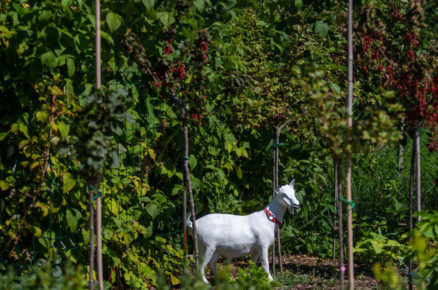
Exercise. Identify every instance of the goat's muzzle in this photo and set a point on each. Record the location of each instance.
(293, 208)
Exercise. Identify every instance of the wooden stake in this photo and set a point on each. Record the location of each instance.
(411, 198)
(338, 191)
(348, 155)
(276, 184)
(99, 234)
(91, 225)
(418, 163)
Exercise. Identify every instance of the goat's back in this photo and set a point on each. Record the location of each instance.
(236, 233)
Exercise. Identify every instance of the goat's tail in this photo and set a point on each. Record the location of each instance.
(189, 221)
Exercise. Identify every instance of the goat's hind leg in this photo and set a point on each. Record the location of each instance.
(213, 263)
(255, 257)
(209, 251)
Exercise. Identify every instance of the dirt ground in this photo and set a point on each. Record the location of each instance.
(321, 269)
(325, 268)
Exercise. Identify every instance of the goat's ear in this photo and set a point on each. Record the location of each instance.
(292, 183)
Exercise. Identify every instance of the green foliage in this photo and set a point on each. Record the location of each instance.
(96, 127)
(246, 65)
(250, 277)
(44, 276)
(423, 249)
(388, 276)
(378, 247)
(290, 280)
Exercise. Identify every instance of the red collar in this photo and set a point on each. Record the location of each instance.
(271, 217)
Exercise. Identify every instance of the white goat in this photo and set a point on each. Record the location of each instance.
(233, 236)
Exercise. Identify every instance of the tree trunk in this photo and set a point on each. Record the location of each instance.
(188, 183)
(411, 195)
(418, 161)
(91, 224)
(184, 222)
(348, 156)
(98, 178)
(338, 191)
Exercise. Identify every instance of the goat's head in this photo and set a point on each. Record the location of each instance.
(286, 197)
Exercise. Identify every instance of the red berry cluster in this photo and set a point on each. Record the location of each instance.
(404, 71)
(168, 49)
(197, 117)
(395, 14)
(204, 46)
(202, 43)
(367, 40)
(179, 71)
(412, 39)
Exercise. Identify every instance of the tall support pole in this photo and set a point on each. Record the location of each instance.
(411, 198)
(338, 186)
(418, 165)
(91, 253)
(273, 195)
(348, 155)
(188, 182)
(184, 222)
(99, 198)
(336, 197)
(277, 161)
(275, 183)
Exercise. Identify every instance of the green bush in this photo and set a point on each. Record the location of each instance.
(44, 276)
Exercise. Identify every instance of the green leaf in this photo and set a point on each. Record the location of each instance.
(335, 87)
(107, 37)
(114, 21)
(70, 67)
(152, 210)
(199, 4)
(321, 28)
(298, 4)
(149, 4)
(63, 129)
(73, 216)
(49, 59)
(41, 116)
(23, 129)
(152, 153)
(37, 232)
(68, 182)
(239, 173)
(192, 161)
(3, 185)
(166, 18)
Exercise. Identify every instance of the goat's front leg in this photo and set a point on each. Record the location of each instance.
(265, 261)
(209, 251)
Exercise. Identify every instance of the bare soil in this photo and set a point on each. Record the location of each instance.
(320, 269)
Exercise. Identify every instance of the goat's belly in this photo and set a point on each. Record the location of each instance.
(235, 252)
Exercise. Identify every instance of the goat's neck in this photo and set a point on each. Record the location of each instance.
(276, 209)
